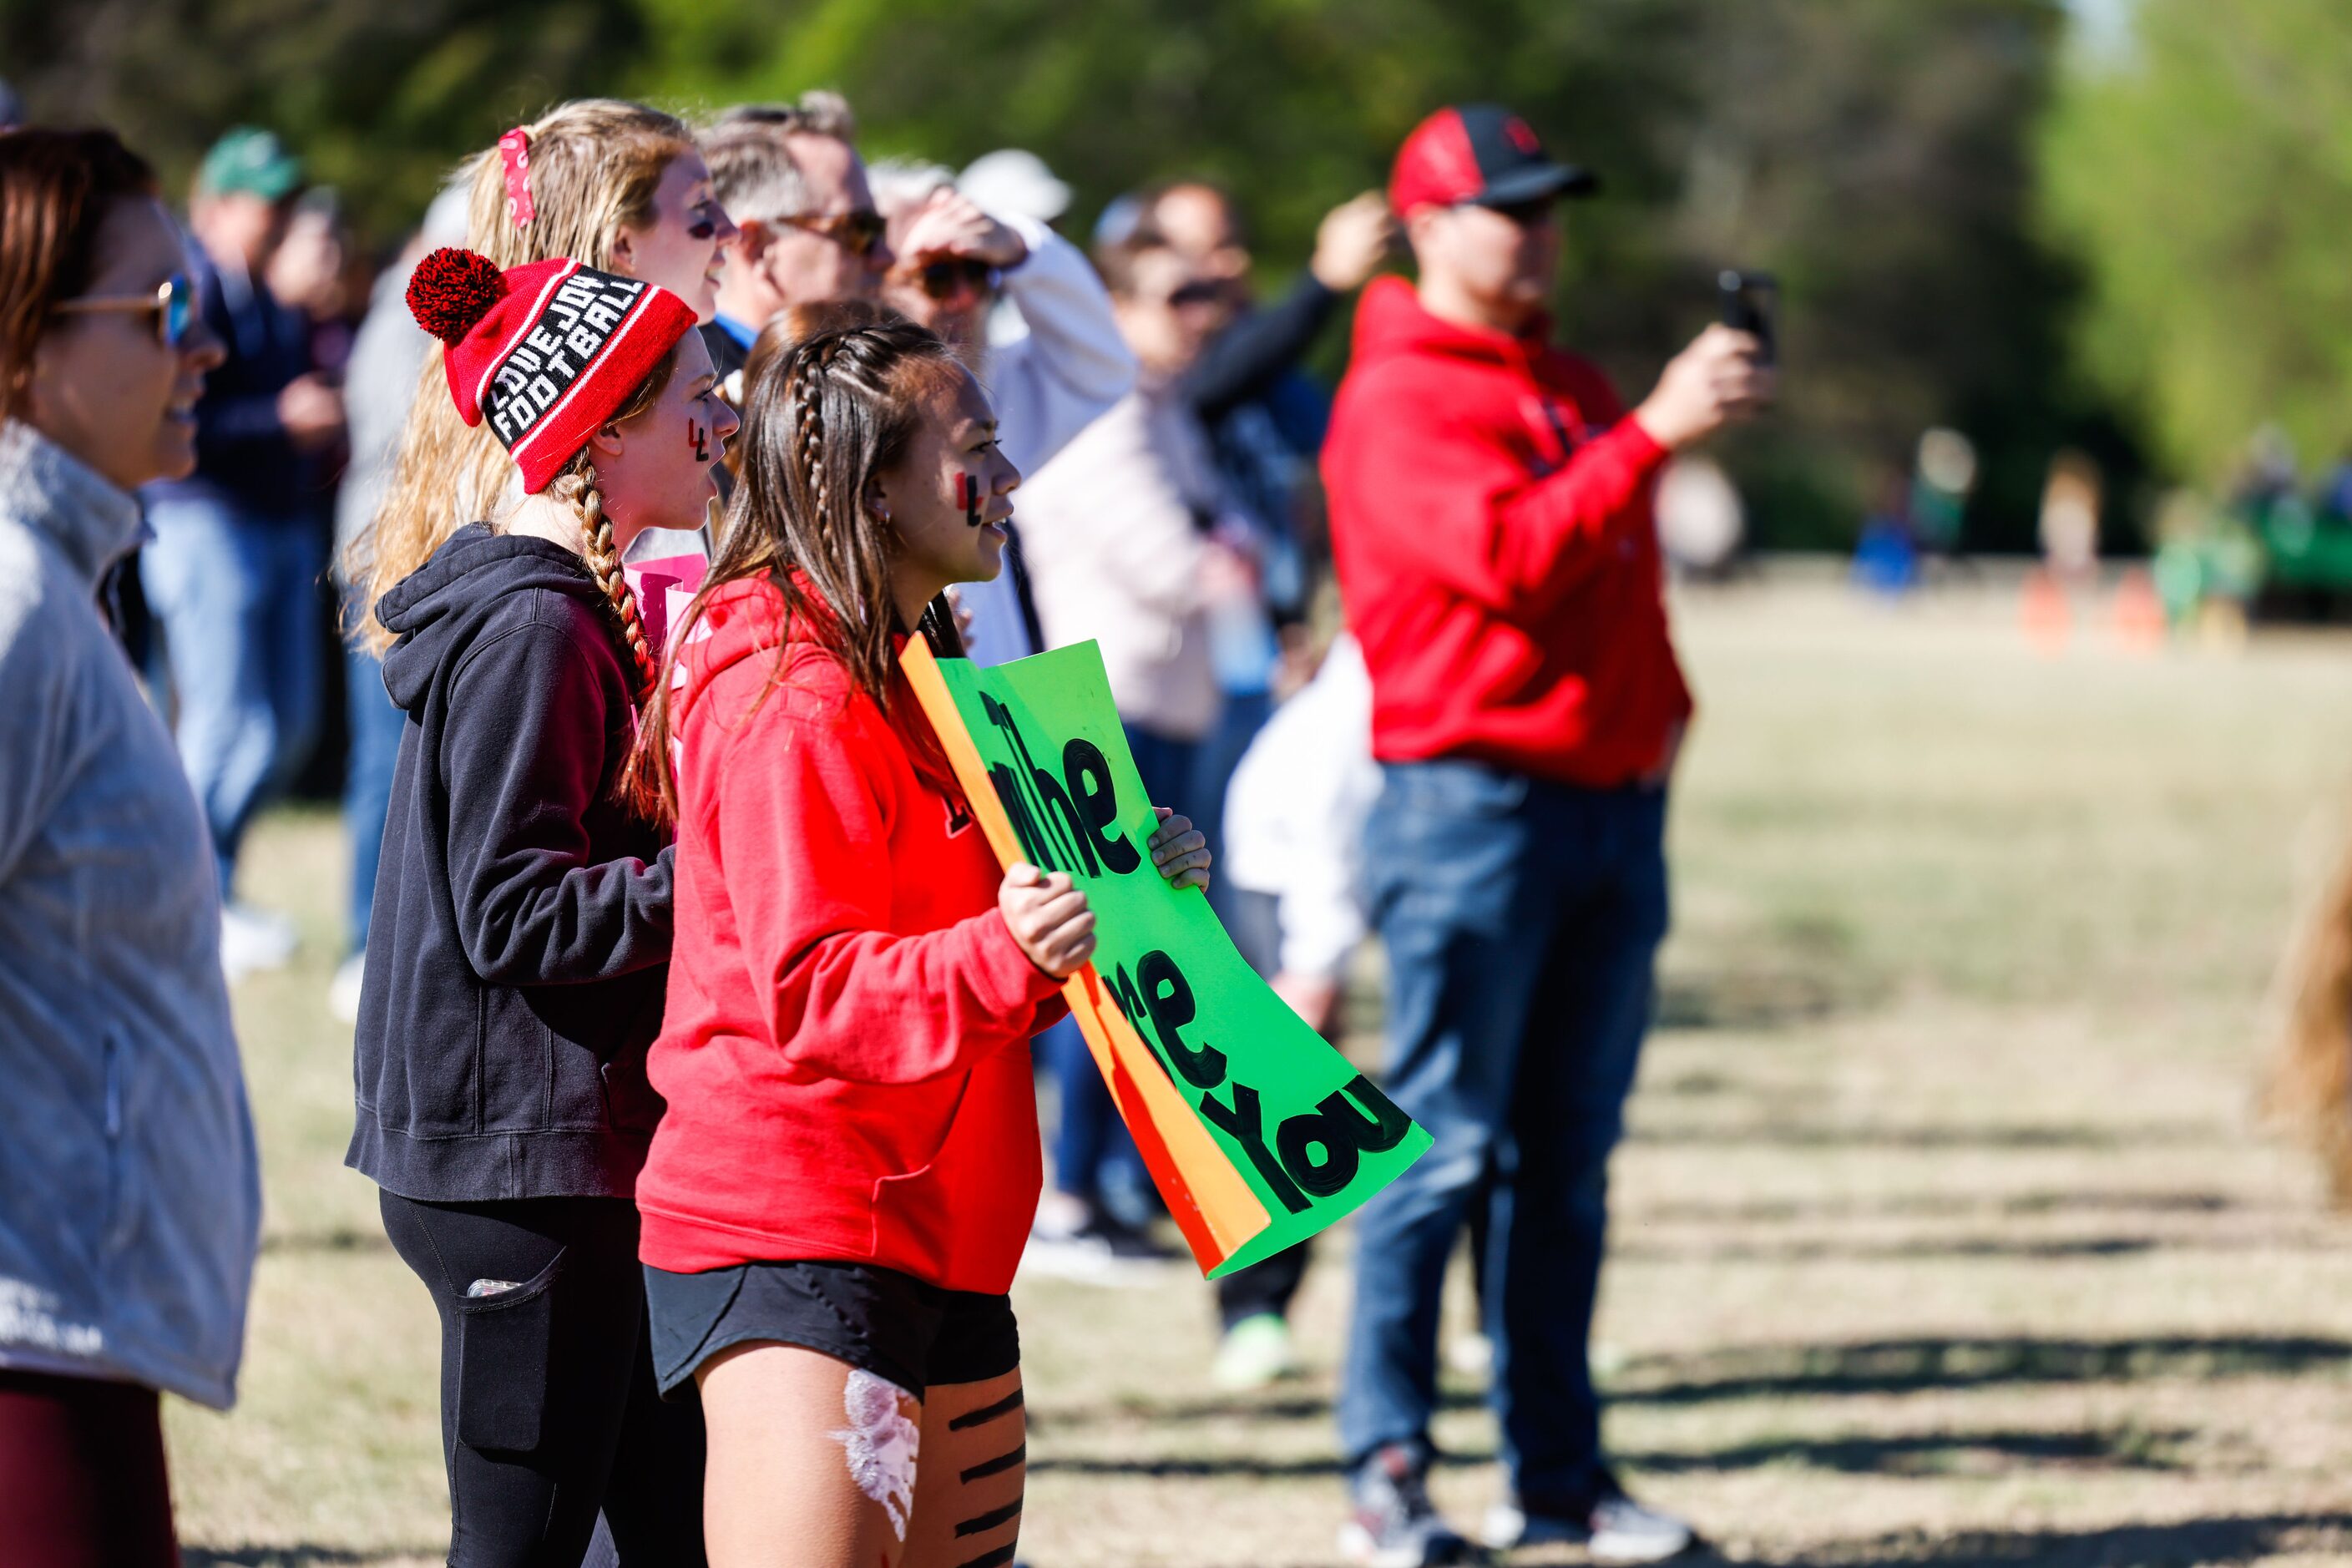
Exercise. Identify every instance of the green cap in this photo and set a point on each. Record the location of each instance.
(251, 160)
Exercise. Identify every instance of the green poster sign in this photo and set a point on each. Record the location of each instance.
(1313, 1137)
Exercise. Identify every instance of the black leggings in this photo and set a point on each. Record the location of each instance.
(548, 1405)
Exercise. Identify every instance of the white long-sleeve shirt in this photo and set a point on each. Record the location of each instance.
(1114, 555)
(1048, 384)
(1296, 811)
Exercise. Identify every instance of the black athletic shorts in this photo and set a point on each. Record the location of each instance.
(889, 1324)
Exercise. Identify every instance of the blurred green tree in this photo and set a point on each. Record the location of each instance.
(381, 99)
(2201, 166)
(1876, 154)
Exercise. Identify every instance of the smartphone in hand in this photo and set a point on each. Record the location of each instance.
(1748, 302)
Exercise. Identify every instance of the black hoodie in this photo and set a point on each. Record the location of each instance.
(520, 942)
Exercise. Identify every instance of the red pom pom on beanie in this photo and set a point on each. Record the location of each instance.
(451, 291)
(545, 352)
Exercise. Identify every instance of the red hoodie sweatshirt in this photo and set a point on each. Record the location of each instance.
(1491, 524)
(845, 1052)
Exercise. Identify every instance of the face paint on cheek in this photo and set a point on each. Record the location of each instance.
(699, 438)
(968, 497)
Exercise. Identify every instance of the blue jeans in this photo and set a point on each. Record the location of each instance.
(374, 721)
(1521, 921)
(1093, 1151)
(1239, 719)
(237, 596)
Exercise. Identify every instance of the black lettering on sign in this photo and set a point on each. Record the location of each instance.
(1089, 773)
(1058, 851)
(1130, 1002)
(1066, 823)
(1343, 1133)
(1016, 806)
(1059, 817)
(1316, 1151)
(1167, 997)
(1245, 1122)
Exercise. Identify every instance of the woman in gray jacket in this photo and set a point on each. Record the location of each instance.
(130, 1198)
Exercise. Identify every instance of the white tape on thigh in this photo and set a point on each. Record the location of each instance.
(881, 1440)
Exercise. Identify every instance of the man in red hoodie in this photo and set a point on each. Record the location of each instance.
(1491, 523)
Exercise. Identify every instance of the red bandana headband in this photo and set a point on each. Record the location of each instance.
(514, 152)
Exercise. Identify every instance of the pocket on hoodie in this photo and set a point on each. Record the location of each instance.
(519, 1063)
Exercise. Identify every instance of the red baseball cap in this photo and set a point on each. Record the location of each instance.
(547, 353)
(1478, 153)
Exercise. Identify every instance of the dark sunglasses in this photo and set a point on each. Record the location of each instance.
(173, 304)
(1526, 214)
(943, 279)
(857, 231)
(1200, 291)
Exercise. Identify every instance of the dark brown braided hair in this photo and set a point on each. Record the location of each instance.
(835, 405)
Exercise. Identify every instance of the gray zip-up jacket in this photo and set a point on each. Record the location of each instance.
(130, 1195)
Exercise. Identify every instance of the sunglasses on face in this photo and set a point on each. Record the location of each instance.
(945, 279)
(1526, 214)
(173, 306)
(857, 231)
(1200, 291)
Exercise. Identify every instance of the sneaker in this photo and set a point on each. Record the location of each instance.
(254, 939)
(1471, 1354)
(1097, 1250)
(343, 990)
(1256, 1353)
(1395, 1525)
(1616, 1528)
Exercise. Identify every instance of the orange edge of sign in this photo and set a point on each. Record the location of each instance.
(1212, 1204)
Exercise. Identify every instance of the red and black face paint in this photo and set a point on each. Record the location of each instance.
(699, 438)
(968, 497)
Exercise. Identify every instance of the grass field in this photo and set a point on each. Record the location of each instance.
(1945, 1232)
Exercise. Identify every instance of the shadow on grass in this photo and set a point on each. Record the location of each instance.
(1933, 1453)
(298, 1556)
(1755, 1002)
(2053, 1249)
(1924, 1205)
(2233, 1539)
(1915, 1454)
(1205, 1467)
(342, 1239)
(1872, 1135)
(2056, 1250)
(1804, 1372)
(1897, 1366)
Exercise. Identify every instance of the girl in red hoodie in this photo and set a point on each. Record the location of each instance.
(840, 1187)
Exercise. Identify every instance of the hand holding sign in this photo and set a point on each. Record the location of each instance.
(1180, 851)
(1258, 1133)
(1048, 918)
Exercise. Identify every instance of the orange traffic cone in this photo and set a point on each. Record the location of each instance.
(2048, 618)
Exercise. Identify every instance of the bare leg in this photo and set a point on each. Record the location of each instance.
(975, 1462)
(813, 1464)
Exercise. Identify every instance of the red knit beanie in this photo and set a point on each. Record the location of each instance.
(548, 351)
